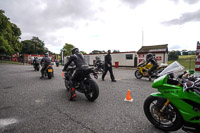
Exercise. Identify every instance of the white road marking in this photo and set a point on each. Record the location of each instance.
(6, 122)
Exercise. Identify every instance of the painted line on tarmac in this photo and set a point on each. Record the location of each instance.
(8, 121)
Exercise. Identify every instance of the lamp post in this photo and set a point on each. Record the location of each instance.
(62, 56)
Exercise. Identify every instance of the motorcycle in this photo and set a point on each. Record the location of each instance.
(36, 66)
(142, 70)
(49, 71)
(85, 84)
(57, 63)
(176, 105)
(99, 66)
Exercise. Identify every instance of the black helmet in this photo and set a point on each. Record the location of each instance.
(46, 54)
(75, 50)
(149, 55)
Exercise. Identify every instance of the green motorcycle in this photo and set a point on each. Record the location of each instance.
(176, 104)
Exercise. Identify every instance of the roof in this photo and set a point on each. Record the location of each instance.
(154, 49)
(111, 53)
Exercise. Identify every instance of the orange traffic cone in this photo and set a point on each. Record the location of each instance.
(128, 97)
(63, 74)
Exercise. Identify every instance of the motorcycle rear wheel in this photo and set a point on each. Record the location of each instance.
(92, 90)
(168, 120)
(50, 74)
(138, 74)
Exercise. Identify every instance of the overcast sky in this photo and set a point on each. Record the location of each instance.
(107, 24)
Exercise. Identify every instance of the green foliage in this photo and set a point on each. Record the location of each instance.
(172, 55)
(67, 49)
(116, 51)
(83, 52)
(9, 36)
(33, 46)
(188, 61)
(97, 51)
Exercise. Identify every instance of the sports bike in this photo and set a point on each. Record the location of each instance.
(176, 104)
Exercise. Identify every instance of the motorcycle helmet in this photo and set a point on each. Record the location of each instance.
(46, 54)
(75, 50)
(149, 55)
(97, 58)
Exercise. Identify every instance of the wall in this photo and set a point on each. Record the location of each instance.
(116, 57)
(160, 57)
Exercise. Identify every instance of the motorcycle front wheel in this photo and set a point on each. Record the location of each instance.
(92, 90)
(168, 120)
(138, 74)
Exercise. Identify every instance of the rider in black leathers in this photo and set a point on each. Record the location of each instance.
(151, 59)
(47, 61)
(81, 64)
(35, 61)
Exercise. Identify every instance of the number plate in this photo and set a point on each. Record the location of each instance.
(50, 70)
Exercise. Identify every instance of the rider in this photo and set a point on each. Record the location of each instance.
(98, 63)
(81, 64)
(35, 61)
(47, 61)
(150, 58)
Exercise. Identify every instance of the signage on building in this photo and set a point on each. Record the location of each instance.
(140, 57)
(158, 58)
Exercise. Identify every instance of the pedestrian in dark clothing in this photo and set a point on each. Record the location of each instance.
(108, 67)
(45, 61)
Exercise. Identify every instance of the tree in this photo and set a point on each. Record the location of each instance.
(83, 52)
(178, 52)
(67, 49)
(34, 46)
(116, 51)
(173, 55)
(9, 36)
(97, 52)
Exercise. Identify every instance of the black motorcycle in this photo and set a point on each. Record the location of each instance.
(85, 84)
(57, 63)
(99, 66)
(49, 72)
(36, 66)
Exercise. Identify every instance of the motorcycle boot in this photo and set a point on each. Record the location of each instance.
(42, 77)
(149, 77)
(73, 94)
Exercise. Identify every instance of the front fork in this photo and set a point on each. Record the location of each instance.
(165, 105)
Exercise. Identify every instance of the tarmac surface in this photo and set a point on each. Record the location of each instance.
(29, 104)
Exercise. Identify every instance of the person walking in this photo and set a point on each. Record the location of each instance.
(108, 67)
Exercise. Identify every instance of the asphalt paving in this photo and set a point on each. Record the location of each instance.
(29, 104)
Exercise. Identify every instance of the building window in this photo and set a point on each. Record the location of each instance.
(129, 56)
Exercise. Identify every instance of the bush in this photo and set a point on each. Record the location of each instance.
(172, 55)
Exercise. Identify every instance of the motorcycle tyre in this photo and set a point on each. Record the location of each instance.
(95, 90)
(176, 125)
(137, 71)
(67, 85)
(50, 75)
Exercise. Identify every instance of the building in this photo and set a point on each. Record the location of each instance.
(160, 52)
(119, 59)
(28, 58)
(132, 58)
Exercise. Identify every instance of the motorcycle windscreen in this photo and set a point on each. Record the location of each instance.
(173, 67)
